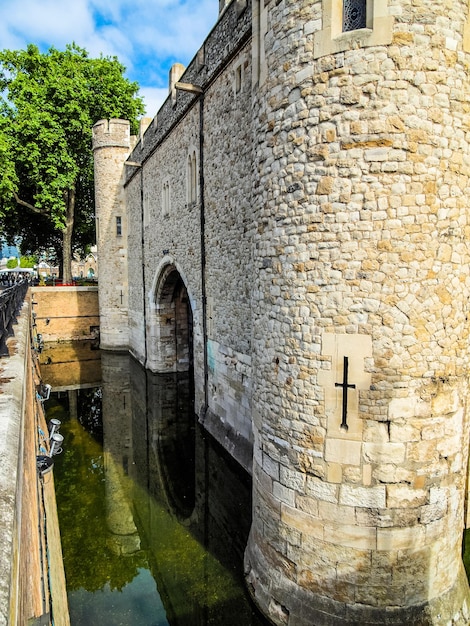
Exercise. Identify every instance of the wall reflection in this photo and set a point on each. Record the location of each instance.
(173, 504)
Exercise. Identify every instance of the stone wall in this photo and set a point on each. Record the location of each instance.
(31, 563)
(70, 365)
(325, 260)
(66, 313)
(111, 144)
(213, 232)
(362, 186)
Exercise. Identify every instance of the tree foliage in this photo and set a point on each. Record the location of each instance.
(48, 105)
(25, 261)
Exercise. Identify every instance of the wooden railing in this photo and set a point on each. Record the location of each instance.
(11, 300)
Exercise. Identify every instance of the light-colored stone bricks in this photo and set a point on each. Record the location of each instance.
(325, 261)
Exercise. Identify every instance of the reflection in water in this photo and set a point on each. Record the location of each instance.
(154, 515)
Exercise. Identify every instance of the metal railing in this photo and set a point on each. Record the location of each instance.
(11, 300)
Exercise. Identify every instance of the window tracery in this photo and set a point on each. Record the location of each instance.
(354, 15)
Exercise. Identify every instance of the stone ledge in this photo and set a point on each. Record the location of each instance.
(13, 370)
(238, 447)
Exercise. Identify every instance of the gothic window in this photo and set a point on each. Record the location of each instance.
(192, 178)
(354, 14)
(352, 24)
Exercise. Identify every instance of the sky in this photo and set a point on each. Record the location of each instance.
(147, 36)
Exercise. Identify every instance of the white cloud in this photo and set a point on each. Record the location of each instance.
(153, 97)
(47, 22)
(145, 36)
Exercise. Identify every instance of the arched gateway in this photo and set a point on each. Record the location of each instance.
(171, 324)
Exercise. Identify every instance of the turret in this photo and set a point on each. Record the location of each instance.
(111, 146)
(360, 323)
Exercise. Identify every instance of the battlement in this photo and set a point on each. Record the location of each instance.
(111, 134)
(231, 32)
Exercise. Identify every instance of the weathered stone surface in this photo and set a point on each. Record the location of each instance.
(335, 237)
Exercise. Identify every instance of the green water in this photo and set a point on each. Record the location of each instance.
(153, 515)
(466, 552)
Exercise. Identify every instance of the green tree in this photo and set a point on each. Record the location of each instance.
(48, 105)
(25, 261)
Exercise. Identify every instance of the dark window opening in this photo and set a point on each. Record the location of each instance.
(354, 14)
(118, 226)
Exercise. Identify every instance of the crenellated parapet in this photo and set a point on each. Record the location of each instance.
(112, 133)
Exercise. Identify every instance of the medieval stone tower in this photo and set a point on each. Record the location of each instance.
(111, 144)
(297, 216)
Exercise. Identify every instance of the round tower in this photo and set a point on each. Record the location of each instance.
(111, 146)
(360, 312)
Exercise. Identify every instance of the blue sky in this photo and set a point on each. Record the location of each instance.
(147, 36)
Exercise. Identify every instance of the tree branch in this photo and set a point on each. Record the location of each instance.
(26, 204)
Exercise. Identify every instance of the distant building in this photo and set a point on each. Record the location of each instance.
(45, 270)
(86, 267)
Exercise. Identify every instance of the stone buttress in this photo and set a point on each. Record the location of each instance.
(360, 313)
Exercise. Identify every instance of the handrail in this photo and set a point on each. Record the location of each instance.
(11, 300)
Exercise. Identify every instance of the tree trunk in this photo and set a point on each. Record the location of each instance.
(67, 236)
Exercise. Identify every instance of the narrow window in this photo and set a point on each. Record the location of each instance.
(146, 209)
(189, 177)
(354, 14)
(192, 178)
(238, 79)
(118, 225)
(166, 198)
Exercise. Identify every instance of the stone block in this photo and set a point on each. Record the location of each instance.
(302, 521)
(322, 490)
(422, 452)
(403, 496)
(283, 493)
(271, 467)
(352, 536)
(407, 408)
(328, 511)
(400, 538)
(291, 478)
(308, 505)
(384, 453)
(367, 497)
(334, 473)
(343, 452)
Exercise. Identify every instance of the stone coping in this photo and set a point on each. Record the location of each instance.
(12, 398)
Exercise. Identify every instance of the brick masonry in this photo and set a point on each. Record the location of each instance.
(32, 578)
(66, 313)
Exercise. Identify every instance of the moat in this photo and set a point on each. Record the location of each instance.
(154, 515)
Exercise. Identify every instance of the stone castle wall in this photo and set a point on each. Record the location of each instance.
(325, 258)
(362, 190)
(172, 235)
(112, 144)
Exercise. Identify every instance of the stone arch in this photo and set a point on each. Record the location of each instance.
(170, 339)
